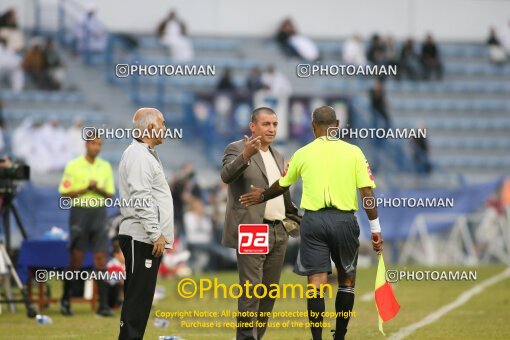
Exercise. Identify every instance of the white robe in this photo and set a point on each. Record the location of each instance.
(91, 35)
(353, 52)
(306, 48)
(10, 65)
(180, 46)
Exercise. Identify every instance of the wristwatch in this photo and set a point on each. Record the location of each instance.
(261, 197)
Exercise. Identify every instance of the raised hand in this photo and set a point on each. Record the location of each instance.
(251, 147)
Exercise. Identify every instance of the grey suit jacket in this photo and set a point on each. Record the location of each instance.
(239, 175)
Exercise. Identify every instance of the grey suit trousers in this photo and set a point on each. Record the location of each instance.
(260, 269)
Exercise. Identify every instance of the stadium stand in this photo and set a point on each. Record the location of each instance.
(466, 112)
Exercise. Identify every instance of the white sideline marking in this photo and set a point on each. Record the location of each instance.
(462, 299)
(369, 296)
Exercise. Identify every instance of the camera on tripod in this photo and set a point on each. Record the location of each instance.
(11, 172)
(16, 171)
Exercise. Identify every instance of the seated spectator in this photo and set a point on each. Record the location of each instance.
(277, 84)
(199, 235)
(206, 252)
(294, 44)
(283, 35)
(391, 52)
(2, 127)
(421, 158)
(10, 67)
(174, 261)
(254, 80)
(54, 65)
(10, 31)
(497, 54)
(8, 19)
(410, 64)
(35, 67)
(353, 51)
(226, 84)
(184, 187)
(172, 33)
(117, 265)
(376, 53)
(90, 34)
(379, 106)
(431, 59)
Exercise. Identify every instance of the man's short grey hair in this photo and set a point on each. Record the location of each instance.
(256, 113)
(324, 116)
(148, 118)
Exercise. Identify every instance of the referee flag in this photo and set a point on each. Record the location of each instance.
(387, 305)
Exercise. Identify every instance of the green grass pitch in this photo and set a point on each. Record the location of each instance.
(484, 316)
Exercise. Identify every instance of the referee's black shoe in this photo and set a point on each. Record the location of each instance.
(340, 336)
(65, 308)
(105, 311)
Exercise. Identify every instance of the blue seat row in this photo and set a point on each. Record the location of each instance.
(64, 116)
(457, 143)
(198, 43)
(460, 104)
(405, 86)
(42, 96)
(472, 50)
(453, 123)
(475, 161)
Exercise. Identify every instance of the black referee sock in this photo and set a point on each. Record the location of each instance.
(67, 290)
(316, 305)
(343, 304)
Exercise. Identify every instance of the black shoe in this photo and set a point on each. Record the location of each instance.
(105, 312)
(340, 337)
(65, 308)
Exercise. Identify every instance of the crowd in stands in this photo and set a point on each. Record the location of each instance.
(199, 216)
(38, 64)
(34, 64)
(88, 34)
(46, 145)
(270, 82)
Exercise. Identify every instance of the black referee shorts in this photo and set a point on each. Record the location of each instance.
(325, 234)
(89, 229)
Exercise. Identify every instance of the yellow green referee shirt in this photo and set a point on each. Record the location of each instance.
(331, 170)
(78, 174)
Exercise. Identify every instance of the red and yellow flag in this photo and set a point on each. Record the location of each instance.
(387, 305)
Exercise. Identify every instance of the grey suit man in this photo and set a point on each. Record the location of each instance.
(246, 163)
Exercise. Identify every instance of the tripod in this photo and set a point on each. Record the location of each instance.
(7, 208)
(7, 270)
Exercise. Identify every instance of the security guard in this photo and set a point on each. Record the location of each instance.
(331, 171)
(86, 182)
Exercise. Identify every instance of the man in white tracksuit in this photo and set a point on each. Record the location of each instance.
(145, 229)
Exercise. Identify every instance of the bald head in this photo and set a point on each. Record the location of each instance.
(146, 116)
(150, 123)
(324, 116)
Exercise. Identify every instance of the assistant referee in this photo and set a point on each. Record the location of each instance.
(331, 171)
